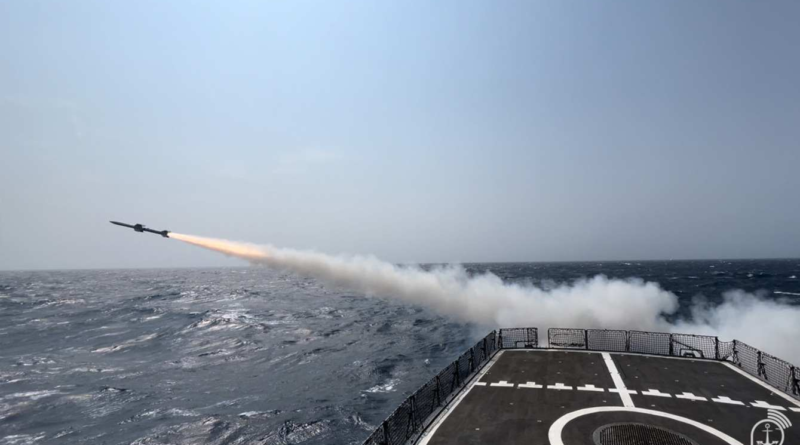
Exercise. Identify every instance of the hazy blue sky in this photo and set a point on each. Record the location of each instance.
(415, 131)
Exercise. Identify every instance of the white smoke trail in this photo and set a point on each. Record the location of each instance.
(485, 299)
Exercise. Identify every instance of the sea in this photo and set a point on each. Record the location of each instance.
(254, 355)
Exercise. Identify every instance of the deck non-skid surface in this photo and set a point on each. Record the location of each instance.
(524, 392)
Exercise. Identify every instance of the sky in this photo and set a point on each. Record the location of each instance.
(416, 131)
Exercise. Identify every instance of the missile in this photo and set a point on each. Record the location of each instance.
(140, 228)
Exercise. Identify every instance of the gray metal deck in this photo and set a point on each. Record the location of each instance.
(539, 396)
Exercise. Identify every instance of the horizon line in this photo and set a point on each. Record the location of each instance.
(414, 263)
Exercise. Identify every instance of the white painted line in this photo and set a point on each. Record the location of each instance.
(442, 417)
(797, 410)
(590, 388)
(655, 393)
(727, 400)
(690, 396)
(554, 434)
(529, 385)
(558, 386)
(764, 384)
(618, 383)
(480, 383)
(503, 384)
(763, 404)
(622, 391)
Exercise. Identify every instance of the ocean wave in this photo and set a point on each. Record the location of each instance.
(210, 356)
(21, 439)
(210, 430)
(32, 395)
(295, 433)
(233, 319)
(389, 386)
(260, 414)
(126, 344)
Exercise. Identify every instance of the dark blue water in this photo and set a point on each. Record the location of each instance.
(228, 356)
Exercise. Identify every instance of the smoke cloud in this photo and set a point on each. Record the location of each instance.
(485, 299)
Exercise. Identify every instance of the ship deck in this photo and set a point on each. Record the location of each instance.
(568, 397)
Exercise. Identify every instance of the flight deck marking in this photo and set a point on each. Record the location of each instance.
(620, 385)
(763, 404)
(554, 433)
(690, 396)
(650, 392)
(655, 393)
(763, 384)
(723, 399)
(622, 391)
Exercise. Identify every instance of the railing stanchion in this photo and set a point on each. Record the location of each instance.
(762, 369)
(386, 432)
(438, 392)
(412, 417)
(586, 338)
(716, 348)
(670, 345)
(471, 360)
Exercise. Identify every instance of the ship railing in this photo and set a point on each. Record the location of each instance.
(418, 411)
(778, 373)
(642, 342)
(407, 423)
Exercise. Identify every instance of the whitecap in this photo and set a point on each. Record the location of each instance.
(178, 412)
(126, 344)
(22, 439)
(389, 386)
(172, 412)
(264, 414)
(85, 369)
(33, 395)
